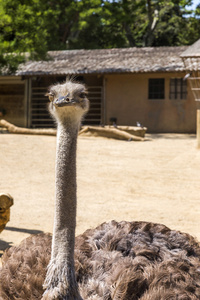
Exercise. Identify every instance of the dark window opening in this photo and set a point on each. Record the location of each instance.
(178, 88)
(156, 88)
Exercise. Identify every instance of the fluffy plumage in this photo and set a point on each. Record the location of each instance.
(119, 261)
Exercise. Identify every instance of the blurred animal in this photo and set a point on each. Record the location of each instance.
(6, 201)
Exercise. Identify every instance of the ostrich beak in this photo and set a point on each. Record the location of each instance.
(63, 101)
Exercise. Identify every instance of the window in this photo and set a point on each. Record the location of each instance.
(156, 88)
(178, 88)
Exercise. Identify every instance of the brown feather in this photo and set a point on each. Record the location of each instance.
(116, 260)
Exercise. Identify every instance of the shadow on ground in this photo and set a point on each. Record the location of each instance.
(170, 136)
(25, 230)
(4, 245)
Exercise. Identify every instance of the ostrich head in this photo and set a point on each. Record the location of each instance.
(68, 102)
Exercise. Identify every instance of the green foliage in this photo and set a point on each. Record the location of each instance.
(36, 26)
(172, 27)
(22, 30)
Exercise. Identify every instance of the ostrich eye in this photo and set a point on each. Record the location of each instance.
(51, 96)
(82, 95)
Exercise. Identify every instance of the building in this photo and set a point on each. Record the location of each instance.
(125, 86)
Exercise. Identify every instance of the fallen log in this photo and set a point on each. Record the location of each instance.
(107, 131)
(114, 133)
(134, 130)
(15, 129)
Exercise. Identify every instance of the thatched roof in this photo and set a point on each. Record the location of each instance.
(124, 60)
(192, 51)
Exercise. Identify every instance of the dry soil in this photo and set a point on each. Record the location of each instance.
(157, 180)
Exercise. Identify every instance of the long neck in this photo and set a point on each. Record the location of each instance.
(65, 206)
(60, 281)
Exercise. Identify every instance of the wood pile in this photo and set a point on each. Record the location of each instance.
(115, 132)
(129, 133)
(20, 130)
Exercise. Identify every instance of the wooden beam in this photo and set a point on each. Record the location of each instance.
(198, 128)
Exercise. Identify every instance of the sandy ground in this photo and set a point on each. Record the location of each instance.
(157, 180)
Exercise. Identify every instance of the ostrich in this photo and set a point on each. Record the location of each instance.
(116, 260)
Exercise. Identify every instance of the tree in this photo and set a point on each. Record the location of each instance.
(22, 31)
(129, 23)
(172, 25)
(35, 26)
(29, 28)
(193, 30)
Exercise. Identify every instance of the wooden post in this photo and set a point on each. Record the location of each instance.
(198, 128)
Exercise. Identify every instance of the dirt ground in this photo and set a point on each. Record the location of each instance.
(157, 180)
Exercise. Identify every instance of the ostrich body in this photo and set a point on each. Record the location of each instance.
(116, 260)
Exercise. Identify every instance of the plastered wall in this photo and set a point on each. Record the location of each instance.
(126, 98)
